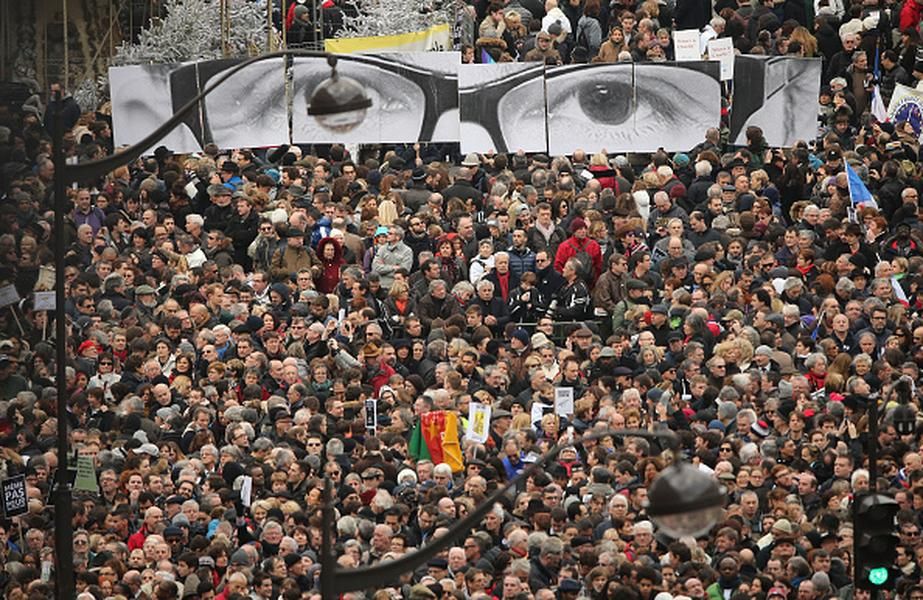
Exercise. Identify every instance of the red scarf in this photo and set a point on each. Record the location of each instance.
(504, 280)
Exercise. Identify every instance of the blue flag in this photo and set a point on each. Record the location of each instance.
(859, 194)
(486, 58)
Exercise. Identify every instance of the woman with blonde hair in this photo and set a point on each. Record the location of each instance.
(808, 42)
(724, 282)
(399, 304)
(387, 211)
(649, 356)
(521, 422)
(744, 353)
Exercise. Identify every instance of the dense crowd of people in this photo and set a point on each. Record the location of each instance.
(230, 312)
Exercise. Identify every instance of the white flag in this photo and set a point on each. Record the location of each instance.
(877, 108)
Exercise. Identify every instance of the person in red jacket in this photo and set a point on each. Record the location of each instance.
(331, 257)
(911, 13)
(152, 518)
(579, 245)
(377, 371)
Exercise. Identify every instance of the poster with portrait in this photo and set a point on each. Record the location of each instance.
(772, 93)
(502, 107)
(414, 98)
(141, 102)
(625, 107)
(246, 110)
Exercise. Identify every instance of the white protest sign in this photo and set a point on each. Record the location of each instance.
(44, 301)
(722, 50)
(8, 295)
(564, 401)
(538, 411)
(46, 277)
(246, 490)
(86, 475)
(478, 422)
(686, 45)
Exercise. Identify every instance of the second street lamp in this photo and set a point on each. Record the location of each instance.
(685, 500)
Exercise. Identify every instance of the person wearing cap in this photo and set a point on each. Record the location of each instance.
(582, 248)
(660, 324)
(417, 194)
(294, 257)
(393, 255)
(230, 175)
(220, 212)
(634, 296)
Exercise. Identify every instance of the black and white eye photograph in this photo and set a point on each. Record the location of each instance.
(414, 98)
(502, 107)
(771, 93)
(249, 109)
(141, 101)
(631, 108)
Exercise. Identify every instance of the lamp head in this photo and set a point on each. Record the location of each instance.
(684, 501)
(339, 103)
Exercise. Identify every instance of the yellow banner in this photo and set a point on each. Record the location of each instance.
(436, 38)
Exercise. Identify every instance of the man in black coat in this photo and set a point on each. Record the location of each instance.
(692, 14)
(242, 228)
(463, 188)
(63, 104)
(549, 280)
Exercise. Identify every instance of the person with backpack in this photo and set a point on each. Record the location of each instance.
(584, 250)
(588, 34)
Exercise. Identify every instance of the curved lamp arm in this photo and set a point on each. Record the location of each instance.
(350, 580)
(93, 169)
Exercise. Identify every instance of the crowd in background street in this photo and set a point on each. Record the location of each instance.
(229, 313)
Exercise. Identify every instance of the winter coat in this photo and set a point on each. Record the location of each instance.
(328, 274)
(388, 259)
(521, 261)
(911, 13)
(291, 260)
(572, 246)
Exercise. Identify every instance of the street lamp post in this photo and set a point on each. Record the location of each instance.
(338, 103)
(683, 501)
(62, 497)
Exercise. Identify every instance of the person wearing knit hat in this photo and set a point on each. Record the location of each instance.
(585, 249)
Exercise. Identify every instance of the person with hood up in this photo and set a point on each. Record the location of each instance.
(327, 276)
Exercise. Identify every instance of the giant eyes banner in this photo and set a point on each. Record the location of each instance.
(430, 97)
(777, 94)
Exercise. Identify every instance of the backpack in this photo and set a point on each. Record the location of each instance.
(581, 52)
(584, 262)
